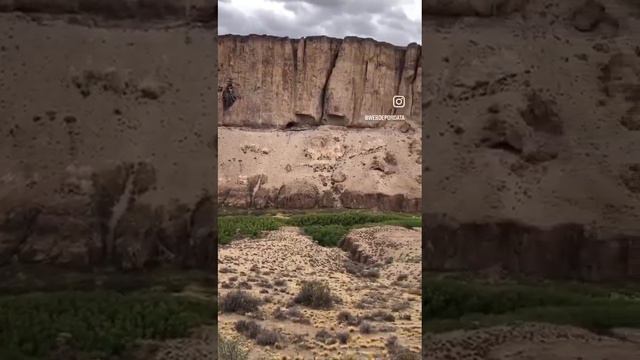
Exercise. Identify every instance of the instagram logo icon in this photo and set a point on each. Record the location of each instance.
(398, 101)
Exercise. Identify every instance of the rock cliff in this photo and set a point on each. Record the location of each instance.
(292, 129)
(272, 82)
(532, 110)
(107, 132)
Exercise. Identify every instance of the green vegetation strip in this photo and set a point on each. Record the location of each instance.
(457, 304)
(325, 228)
(103, 323)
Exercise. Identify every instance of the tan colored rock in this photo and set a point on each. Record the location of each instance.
(335, 160)
(267, 82)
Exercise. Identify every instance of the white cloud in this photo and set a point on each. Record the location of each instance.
(394, 21)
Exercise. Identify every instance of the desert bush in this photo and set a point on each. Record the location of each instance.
(279, 282)
(366, 328)
(371, 273)
(239, 302)
(399, 352)
(379, 315)
(343, 336)
(348, 318)
(231, 350)
(325, 337)
(400, 305)
(248, 328)
(315, 294)
(254, 331)
(268, 337)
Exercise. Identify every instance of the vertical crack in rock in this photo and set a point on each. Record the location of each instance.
(228, 95)
(356, 105)
(323, 96)
(294, 51)
(415, 76)
(403, 59)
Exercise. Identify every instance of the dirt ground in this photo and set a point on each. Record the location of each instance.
(262, 168)
(274, 266)
(532, 341)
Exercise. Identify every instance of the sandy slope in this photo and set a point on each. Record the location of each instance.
(273, 267)
(268, 168)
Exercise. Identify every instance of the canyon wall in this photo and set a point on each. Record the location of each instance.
(292, 130)
(271, 82)
(107, 129)
(532, 137)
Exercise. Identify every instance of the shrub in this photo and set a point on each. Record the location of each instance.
(239, 302)
(399, 352)
(230, 227)
(372, 273)
(343, 337)
(399, 306)
(255, 331)
(250, 328)
(325, 337)
(268, 337)
(366, 328)
(326, 235)
(231, 350)
(314, 294)
(380, 315)
(348, 318)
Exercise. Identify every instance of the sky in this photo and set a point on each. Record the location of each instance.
(394, 21)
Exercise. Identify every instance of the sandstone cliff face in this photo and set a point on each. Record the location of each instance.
(272, 82)
(107, 146)
(532, 110)
(321, 88)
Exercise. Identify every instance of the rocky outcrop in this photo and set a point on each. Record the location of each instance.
(532, 111)
(271, 82)
(106, 160)
(325, 167)
(293, 133)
